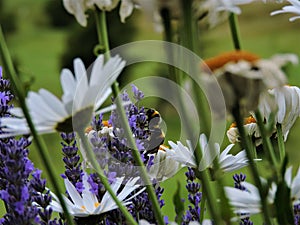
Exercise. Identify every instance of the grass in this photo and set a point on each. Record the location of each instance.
(37, 49)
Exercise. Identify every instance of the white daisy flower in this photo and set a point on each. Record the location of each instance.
(245, 202)
(231, 5)
(163, 166)
(81, 97)
(293, 184)
(286, 100)
(86, 204)
(78, 8)
(294, 8)
(228, 162)
(236, 70)
(127, 7)
(251, 129)
(207, 13)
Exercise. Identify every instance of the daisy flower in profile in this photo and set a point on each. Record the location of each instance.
(293, 184)
(228, 162)
(163, 166)
(286, 100)
(81, 97)
(250, 127)
(86, 204)
(78, 8)
(243, 76)
(246, 201)
(231, 5)
(294, 8)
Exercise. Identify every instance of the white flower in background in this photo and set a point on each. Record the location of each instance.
(245, 202)
(127, 7)
(78, 8)
(293, 184)
(106, 5)
(81, 97)
(286, 100)
(231, 5)
(86, 204)
(207, 13)
(294, 8)
(228, 162)
(163, 166)
(251, 129)
(243, 76)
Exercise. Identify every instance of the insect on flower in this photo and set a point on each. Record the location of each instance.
(156, 135)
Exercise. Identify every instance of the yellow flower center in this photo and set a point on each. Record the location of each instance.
(224, 58)
(105, 123)
(247, 120)
(162, 147)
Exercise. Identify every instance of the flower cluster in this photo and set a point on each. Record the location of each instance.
(17, 190)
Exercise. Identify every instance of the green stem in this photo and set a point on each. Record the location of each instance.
(266, 143)
(102, 31)
(202, 207)
(189, 36)
(41, 147)
(280, 142)
(234, 28)
(177, 76)
(92, 159)
(246, 143)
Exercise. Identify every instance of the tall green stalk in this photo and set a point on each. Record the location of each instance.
(247, 145)
(268, 145)
(103, 39)
(235, 33)
(281, 145)
(41, 147)
(189, 35)
(92, 159)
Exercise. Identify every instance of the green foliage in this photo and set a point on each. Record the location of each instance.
(8, 19)
(57, 15)
(178, 203)
(81, 41)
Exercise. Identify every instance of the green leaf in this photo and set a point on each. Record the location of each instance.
(178, 203)
(283, 200)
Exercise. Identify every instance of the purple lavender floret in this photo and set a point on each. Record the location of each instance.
(194, 197)
(26, 200)
(72, 160)
(116, 159)
(238, 179)
(15, 170)
(137, 94)
(297, 214)
(238, 183)
(5, 96)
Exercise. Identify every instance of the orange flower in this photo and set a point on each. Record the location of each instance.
(233, 56)
(243, 76)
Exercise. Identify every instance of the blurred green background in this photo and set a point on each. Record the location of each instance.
(43, 39)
